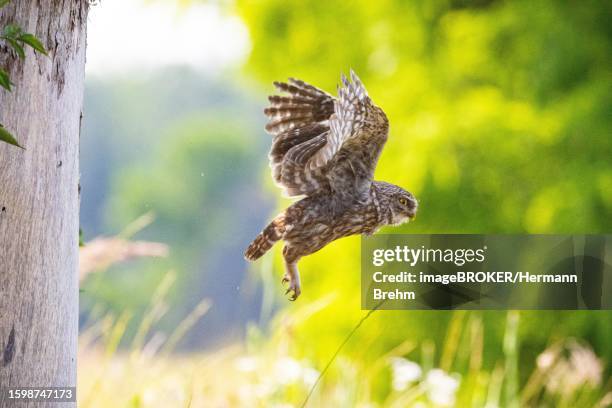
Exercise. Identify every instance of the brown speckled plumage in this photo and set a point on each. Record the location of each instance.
(326, 149)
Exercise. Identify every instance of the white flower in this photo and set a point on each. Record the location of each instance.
(287, 370)
(587, 367)
(404, 372)
(546, 359)
(573, 367)
(441, 387)
(310, 376)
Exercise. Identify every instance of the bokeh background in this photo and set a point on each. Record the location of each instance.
(501, 122)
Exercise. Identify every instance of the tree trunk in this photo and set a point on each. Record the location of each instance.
(39, 197)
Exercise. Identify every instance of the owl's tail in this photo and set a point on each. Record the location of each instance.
(266, 239)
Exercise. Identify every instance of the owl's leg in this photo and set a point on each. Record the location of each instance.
(292, 276)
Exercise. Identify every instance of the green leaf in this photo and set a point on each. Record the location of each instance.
(12, 31)
(5, 136)
(17, 47)
(5, 81)
(33, 42)
(4, 2)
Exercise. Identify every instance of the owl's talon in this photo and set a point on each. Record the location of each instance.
(294, 290)
(293, 297)
(294, 287)
(292, 277)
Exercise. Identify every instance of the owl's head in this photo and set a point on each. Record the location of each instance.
(399, 204)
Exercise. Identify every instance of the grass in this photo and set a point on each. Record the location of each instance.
(149, 373)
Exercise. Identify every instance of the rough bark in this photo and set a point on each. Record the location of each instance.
(39, 197)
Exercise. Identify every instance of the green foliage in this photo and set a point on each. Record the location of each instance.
(7, 137)
(11, 34)
(16, 38)
(479, 98)
(5, 81)
(187, 148)
(203, 153)
(500, 123)
(33, 42)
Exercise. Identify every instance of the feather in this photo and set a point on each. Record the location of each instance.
(310, 127)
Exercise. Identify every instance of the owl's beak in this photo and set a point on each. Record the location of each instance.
(412, 213)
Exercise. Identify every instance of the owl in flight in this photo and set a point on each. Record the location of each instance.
(326, 149)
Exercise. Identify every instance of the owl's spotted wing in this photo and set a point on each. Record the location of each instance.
(305, 105)
(322, 143)
(347, 120)
(299, 124)
(358, 132)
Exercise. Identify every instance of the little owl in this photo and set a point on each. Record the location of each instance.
(326, 149)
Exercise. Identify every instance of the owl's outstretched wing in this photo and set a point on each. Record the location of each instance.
(322, 143)
(347, 120)
(299, 124)
(358, 132)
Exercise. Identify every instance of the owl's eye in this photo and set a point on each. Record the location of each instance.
(403, 201)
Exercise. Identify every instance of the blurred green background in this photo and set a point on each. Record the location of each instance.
(501, 122)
